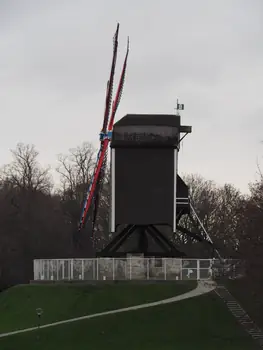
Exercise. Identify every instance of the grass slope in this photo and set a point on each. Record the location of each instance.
(249, 294)
(59, 302)
(201, 323)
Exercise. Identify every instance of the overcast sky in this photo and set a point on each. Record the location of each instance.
(55, 59)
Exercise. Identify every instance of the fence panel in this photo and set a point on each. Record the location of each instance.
(89, 269)
(120, 269)
(130, 268)
(105, 269)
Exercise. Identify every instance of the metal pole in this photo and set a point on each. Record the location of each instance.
(82, 269)
(57, 269)
(71, 269)
(130, 268)
(97, 269)
(113, 269)
(148, 268)
(181, 272)
(198, 269)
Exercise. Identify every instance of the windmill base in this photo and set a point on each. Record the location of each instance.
(141, 235)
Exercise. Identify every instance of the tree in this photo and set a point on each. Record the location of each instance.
(220, 208)
(75, 170)
(26, 180)
(202, 194)
(24, 172)
(251, 238)
(229, 213)
(31, 218)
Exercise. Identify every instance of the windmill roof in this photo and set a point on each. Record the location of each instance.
(150, 119)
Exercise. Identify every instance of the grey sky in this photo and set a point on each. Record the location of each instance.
(55, 59)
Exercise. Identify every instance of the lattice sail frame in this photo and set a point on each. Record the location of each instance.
(94, 189)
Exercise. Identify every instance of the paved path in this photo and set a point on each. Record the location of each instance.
(202, 288)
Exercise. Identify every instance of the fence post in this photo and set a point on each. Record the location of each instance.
(57, 269)
(113, 269)
(164, 260)
(82, 269)
(38, 269)
(130, 268)
(52, 269)
(147, 269)
(63, 269)
(93, 268)
(41, 269)
(71, 269)
(97, 272)
(35, 269)
(198, 269)
(48, 269)
(181, 270)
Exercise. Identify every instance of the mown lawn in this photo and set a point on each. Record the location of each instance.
(249, 295)
(200, 323)
(59, 302)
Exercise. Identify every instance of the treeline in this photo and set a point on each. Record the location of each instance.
(39, 220)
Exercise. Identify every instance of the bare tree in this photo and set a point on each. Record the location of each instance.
(203, 197)
(256, 190)
(24, 172)
(24, 186)
(220, 208)
(75, 170)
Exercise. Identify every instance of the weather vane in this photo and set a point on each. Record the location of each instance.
(179, 107)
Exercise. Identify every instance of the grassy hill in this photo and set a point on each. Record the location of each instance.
(201, 323)
(63, 301)
(249, 294)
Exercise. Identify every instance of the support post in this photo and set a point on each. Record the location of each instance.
(181, 270)
(94, 268)
(148, 269)
(36, 269)
(71, 269)
(130, 267)
(97, 272)
(82, 269)
(175, 186)
(198, 269)
(112, 229)
(113, 269)
(57, 261)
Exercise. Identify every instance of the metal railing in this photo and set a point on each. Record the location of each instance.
(130, 268)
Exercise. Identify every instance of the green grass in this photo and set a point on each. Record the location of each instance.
(59, 302)
(249, 295)
(201, 323)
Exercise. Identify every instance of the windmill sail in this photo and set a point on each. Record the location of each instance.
(95, 188)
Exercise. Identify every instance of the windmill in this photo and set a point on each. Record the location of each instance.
(92, 196)
(142, 146)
